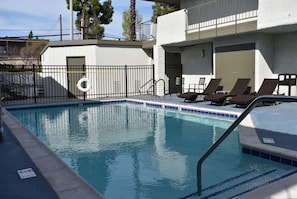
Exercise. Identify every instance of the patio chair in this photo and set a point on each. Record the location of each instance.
(200, 86)
(211, 88)
(220, 99)
(267, 88)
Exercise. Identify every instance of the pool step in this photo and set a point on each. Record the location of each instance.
(240, 184)
(235, 186)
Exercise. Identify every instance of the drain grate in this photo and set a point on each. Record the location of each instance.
(26, 173)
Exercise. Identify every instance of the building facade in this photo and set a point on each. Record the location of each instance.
(110, 66)
(227, 39)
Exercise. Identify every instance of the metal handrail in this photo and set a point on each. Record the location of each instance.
(146, 83)
(250, 107)
(155, 83)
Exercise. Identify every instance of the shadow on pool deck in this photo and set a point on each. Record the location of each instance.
(12, 159)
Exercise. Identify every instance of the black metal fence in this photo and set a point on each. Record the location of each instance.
(35, 84)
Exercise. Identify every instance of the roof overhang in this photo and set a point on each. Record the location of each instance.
(172, 2)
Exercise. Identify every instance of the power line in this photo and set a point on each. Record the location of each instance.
(67, 34)
(47, 35)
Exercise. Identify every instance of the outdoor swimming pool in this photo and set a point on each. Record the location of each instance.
(132, 151)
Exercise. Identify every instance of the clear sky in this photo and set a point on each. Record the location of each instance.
(18, 17)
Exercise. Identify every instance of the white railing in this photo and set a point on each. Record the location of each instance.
(147, 31)
(220, 12)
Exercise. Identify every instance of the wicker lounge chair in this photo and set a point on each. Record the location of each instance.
(211, 88)
(220, 99)
(267, 88)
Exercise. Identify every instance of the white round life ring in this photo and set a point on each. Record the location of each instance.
(88, 84)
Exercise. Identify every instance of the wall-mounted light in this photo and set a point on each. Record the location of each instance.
(202, 53)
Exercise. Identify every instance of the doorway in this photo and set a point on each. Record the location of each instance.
(173, 70)
(233, 62)
(75, 71)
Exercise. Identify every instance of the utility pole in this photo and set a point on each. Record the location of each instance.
(71, 19)
(84, 18)
(132, 20)
(61, 33)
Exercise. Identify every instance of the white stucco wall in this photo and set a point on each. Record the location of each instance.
(285, 59)
(57, 55)
(172, 27)
(108, 55)
(264, 59)
(159, 59)
(195, 65)
(97, 55)
(276, 13)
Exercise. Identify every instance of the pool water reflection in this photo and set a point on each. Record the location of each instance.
(132, 151)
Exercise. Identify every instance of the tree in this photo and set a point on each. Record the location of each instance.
(91, 15)
(126, 24)
(31, 52)
(132, 20)
(30, 36)
(160, 9)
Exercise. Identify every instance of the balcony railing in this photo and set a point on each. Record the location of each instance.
(147, 31)
(220, 12)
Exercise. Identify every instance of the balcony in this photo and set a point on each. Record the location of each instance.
(222, 17)
(207, 20)
(211, 19)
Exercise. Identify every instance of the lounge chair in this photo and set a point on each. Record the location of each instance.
(220, 99)
(211, 88)
(267, 88)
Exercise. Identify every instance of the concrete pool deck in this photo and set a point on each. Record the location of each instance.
(49, 168)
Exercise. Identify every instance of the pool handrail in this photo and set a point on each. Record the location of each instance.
(249, 108)
(154, 84)
(146, 83)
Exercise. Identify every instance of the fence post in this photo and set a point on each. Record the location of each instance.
(34, 85)
(154, 89)
(84, 75)
(126, 80)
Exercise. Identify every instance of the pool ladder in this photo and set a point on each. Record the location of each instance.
(154, 83)
(250, 107)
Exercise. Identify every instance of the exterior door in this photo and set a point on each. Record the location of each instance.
(75, 71)
(233, 62)
(173, 70)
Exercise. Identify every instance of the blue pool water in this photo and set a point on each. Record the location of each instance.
(133, 151)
